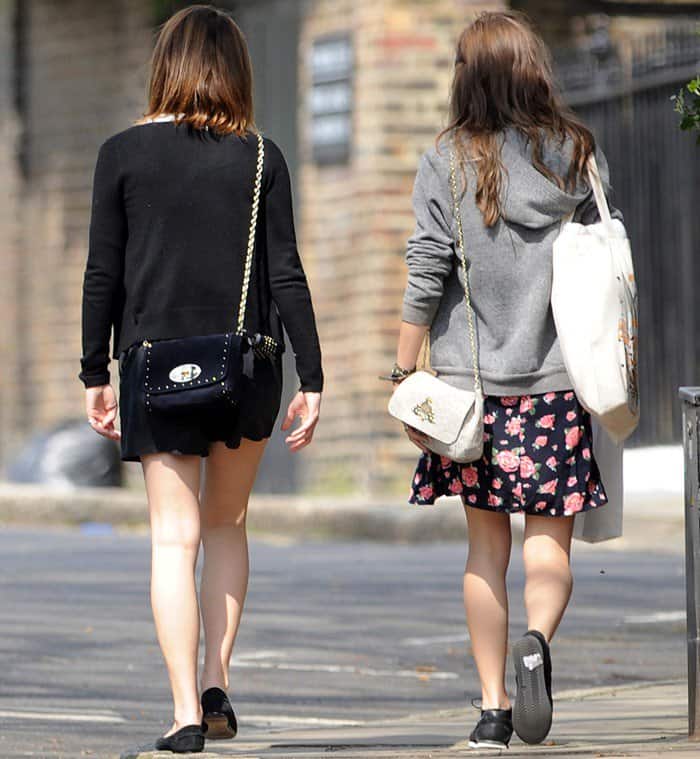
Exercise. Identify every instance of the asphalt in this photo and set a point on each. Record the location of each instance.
(350, 647)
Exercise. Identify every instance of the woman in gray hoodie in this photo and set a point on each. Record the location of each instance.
(521, 155)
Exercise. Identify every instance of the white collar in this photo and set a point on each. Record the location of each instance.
(162, 117)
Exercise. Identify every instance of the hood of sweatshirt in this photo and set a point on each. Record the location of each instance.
(530, 198)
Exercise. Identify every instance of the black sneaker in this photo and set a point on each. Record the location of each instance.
(219, 720)
(493, 730)
(532, 712)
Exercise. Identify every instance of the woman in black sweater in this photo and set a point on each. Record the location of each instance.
(169, 229)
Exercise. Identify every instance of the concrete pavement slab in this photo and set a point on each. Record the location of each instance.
(644, 720)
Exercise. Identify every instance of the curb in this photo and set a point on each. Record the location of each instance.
(652, 522)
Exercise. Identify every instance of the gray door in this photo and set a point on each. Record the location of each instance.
(272, 30)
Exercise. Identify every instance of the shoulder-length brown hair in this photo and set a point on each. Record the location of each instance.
(503, 78)
(201, 72)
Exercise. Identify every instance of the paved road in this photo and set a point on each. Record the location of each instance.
(334, 632)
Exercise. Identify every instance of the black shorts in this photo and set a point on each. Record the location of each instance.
(145, 432)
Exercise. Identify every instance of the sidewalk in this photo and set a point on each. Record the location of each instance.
(645, 720)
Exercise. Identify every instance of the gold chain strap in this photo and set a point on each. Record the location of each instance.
(463, 260)
(251, 236)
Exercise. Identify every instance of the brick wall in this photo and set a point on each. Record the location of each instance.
(10, 375)
(356, 219)
(83, 78)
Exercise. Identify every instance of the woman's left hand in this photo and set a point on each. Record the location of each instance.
(306, 406)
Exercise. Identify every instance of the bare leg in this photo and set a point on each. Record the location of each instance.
(172, 485)
(229, 478)
(548, 580)
(486, 600)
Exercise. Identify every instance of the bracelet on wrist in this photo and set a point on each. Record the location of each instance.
(398, 373)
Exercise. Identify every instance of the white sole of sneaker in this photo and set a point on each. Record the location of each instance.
(488, 744)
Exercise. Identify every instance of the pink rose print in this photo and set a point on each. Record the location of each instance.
(571, 482)
(573, 503)
(568, 396)
(570, 461)
(496, 483)
(507, 460)
(540, 505)
(540, 441)
(470, 476)
(456, 486)
(511, 477)
(513, 425)
(527, 467)
(489, 418)
(416, 479)
(570, 416)
(586, 453)
(587, 477)
(555, 447)
(471, 498)
(549, 487)
(518, 491)
(546, 422)
(573, 437)
(509, 400)
(509, 411)
(552, 462)
(494, 500)
(549, 397)
(526, 404)
(426, 491)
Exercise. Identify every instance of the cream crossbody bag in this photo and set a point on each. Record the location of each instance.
(451, 418)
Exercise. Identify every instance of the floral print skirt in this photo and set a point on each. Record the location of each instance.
(537, 459)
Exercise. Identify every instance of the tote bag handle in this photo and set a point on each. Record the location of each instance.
(598, 191)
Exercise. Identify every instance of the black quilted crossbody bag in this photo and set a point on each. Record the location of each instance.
(205, 372)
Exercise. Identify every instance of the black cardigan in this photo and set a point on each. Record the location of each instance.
(168, 235)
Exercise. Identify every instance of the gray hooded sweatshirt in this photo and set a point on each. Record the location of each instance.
(510, 269)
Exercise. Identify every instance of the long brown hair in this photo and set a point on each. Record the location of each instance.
(201, 72)
(503, 78)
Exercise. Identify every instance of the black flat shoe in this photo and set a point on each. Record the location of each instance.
(493, 730)
(219, 721)
(532, 712)
(188, 739)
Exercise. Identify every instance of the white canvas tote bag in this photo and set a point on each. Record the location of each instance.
(594, 302)
(605, 522)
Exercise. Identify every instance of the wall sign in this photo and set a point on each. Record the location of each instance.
(330, 101)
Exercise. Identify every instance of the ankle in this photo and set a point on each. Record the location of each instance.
(500, 701)
(214, 681)
(187, 717)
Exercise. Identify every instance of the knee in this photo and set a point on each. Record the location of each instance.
(546, 558)
(218, 518)
(173, 532)
(490, 550)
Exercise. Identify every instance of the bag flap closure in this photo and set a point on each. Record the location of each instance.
(174, 365)
(432, 406)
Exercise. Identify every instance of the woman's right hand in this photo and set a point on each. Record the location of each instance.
(417, 438)
(101, 407)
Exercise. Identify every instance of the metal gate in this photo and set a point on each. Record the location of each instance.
(624, 94)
